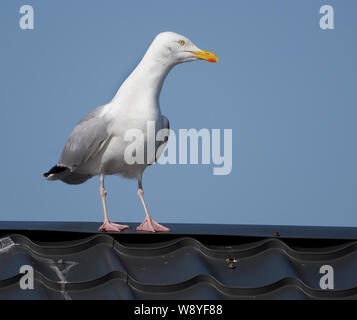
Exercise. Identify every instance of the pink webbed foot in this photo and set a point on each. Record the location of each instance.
(151, 225)
(108, 226)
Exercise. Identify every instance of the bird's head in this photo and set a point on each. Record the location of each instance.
(174, 48)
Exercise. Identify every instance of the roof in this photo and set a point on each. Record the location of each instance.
(72, 261)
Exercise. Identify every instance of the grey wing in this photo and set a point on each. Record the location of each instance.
(86, 140)
(162, 144)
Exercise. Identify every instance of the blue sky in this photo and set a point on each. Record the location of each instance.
(285, 87)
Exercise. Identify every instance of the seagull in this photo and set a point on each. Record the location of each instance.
(97, 145)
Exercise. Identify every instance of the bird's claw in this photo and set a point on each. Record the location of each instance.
(150, 225)
(112, 227)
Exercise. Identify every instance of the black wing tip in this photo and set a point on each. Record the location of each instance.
(55, 170)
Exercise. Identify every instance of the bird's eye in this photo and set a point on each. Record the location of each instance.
(182, 42)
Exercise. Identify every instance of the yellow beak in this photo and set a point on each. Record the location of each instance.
(205, 55)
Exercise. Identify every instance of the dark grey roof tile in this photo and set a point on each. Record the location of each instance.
(105, 266)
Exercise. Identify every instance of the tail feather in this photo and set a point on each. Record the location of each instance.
(64, 174)
(54, 171)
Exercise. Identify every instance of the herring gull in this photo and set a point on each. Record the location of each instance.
(97, 145)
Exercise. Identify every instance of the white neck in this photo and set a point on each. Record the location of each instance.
(147, 78)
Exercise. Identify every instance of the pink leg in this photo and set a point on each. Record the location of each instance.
(108, 226)
(149, 224)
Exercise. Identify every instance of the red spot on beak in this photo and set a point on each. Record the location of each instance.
(211, 60)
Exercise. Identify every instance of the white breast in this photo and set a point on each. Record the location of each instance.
(125, 118)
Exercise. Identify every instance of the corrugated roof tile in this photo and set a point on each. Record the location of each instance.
(104, 266)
